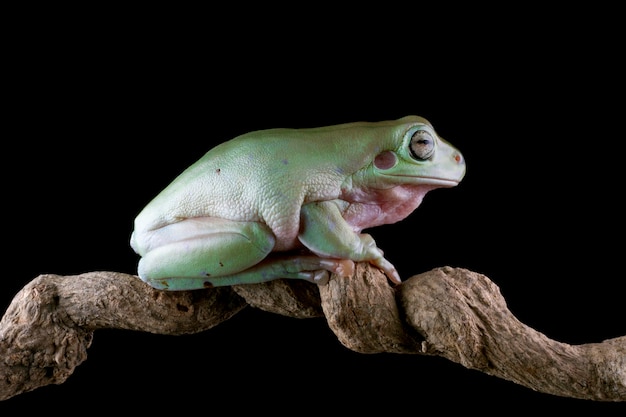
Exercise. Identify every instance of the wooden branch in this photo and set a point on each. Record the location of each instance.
(449, 312)
(49, 325)
(461, 315)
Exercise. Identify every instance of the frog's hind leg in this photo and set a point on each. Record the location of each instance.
(184, 255)
(206, 252)
(307, 267)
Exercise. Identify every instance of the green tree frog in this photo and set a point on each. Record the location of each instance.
(290, 203)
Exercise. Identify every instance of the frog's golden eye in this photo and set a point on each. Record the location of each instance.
(422, 145)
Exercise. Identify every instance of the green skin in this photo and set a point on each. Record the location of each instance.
(290, 203)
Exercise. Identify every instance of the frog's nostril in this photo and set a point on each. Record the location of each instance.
(458, 157)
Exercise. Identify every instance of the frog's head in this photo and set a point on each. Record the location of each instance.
(415, 155)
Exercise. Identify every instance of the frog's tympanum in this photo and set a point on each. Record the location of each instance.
(290, 203)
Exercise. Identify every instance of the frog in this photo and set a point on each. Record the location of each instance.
(291, 203)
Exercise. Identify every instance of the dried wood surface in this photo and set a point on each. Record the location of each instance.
(449, 312)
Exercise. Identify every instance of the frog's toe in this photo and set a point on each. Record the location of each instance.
(320, 277)
(388, 268)
(342, 267)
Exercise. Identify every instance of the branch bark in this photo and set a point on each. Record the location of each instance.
(450, 312)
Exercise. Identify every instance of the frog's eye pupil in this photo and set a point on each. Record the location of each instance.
(422, 145)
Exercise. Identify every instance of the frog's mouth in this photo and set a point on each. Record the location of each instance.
(441, 182)
(432, 181)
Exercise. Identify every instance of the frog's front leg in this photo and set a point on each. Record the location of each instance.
(325, 232)
(204, 252)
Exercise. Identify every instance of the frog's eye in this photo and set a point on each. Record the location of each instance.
(422, 145)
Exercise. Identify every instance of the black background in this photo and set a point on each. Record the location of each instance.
(105, 110)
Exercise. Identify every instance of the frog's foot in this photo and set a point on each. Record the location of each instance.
(308, 267)
(341, 267)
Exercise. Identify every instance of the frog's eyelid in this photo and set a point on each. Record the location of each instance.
(420, 127)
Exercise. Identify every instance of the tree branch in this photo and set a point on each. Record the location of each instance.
(450, 312)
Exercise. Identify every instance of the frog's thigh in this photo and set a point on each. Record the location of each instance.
(202, 248)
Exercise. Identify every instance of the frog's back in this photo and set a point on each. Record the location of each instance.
(264, 174)
(234, 180)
